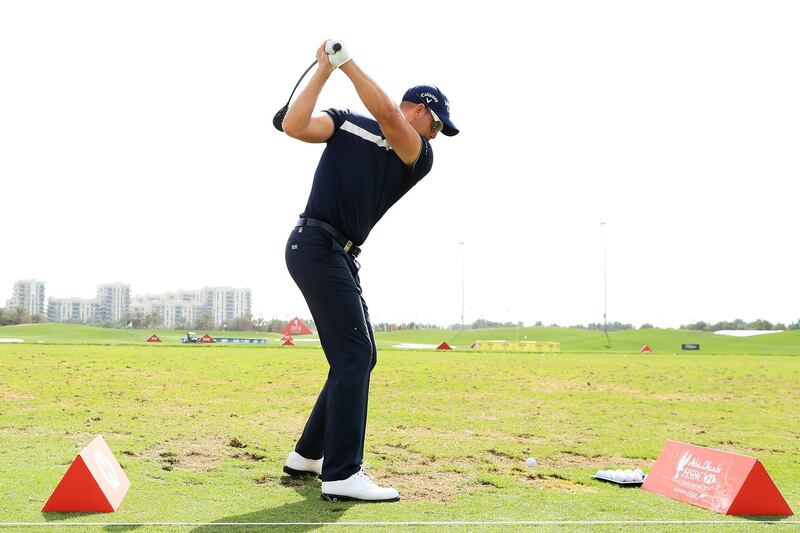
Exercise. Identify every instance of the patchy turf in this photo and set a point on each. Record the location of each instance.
(202, 432)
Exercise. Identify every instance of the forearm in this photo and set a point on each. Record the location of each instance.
(299, 114)
(377, 102)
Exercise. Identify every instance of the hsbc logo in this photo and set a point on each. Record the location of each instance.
(691, 468)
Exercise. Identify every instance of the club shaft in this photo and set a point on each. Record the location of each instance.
(301, 79)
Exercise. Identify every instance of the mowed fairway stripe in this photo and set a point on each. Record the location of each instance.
(388, 524)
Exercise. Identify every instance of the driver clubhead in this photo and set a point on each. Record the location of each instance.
(277, 120)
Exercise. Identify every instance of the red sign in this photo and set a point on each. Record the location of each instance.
(94, 482)
(720, 481)
(444, 346)
(207, 338)
(296, 327)
(153, 338)
(646, 349)
(288, 342)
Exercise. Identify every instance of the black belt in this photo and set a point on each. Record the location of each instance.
(348, 245)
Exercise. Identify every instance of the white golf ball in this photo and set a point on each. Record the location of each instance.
(619, 475)
(639, 472)
(530, 461)
(627, 475)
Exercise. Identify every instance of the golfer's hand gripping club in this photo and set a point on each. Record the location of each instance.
(334, 50)
(338, 54)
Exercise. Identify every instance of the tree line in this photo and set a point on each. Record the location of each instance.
(19, 315)
(205, 322)
(153, 320)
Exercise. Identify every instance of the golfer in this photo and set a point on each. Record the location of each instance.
(368, 165)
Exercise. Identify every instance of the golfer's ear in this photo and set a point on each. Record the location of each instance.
(318, 130)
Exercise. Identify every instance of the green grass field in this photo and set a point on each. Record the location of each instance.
(451, 430)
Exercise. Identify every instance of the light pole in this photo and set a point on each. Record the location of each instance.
(462, 283)
(605, 282)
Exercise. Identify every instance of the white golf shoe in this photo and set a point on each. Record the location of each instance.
(297, 465)
(358, 487)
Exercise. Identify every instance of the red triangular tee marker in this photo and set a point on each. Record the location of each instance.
(759, 496)
(444, 346)
(93, 483)
(723, 482)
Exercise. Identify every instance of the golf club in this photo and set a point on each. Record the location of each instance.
(277, 120)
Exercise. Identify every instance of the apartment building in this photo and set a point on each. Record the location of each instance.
(28, 294)
(184, 307)
(73, 310)
(111, 304)
(114, 300)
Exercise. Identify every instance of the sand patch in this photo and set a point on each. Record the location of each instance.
(746, 332)
(197, 455)
(567, 460)
(422, 477)
(684, 397)
(18, 396)
(435, 486)
(417, 476)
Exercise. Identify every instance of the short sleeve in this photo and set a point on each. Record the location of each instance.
(338, 116)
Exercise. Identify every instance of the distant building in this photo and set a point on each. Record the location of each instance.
(175, 308)
(185, 307)
(112, 303)
(73, 310)
(28, 294)
(114, 300)
(225, 303)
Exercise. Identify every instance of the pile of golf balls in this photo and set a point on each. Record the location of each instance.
(622, 476)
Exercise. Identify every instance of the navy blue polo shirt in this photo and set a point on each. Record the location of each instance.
(359, 176)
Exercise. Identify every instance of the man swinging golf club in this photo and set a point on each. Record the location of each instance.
(367, 166)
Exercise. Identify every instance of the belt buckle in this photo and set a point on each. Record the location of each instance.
(348, 246)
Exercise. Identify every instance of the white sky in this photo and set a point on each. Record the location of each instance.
(136, 145)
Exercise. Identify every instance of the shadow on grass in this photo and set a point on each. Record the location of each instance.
(53, 517)
(777, 518)
(312, 508)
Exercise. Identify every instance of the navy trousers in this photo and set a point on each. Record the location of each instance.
(328, 278)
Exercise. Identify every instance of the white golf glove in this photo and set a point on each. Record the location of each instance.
(339, 58)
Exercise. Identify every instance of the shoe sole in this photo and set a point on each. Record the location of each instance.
(339, 498)
(298, 473)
